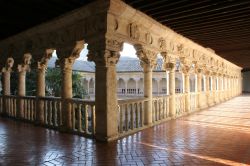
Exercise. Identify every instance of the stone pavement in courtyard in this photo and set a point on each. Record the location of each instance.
(217, 136)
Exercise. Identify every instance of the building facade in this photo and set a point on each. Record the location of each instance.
(105, 26)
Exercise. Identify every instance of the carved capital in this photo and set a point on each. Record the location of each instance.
(186, 69)
(147, 57)
(8, 66)
(43, 63)
(105, 52)
(169, 61)
(72, 51)
(66, 64)
(104, 58)
(25, 65)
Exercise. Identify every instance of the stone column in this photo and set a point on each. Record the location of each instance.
(6, 73)
(66, 92)
(67, 57)
(208, 88)
(22, 69)
(172, 90)
(199, 90)
(105, 53)
(187, 91)
(147, 70)
(228, 87)
(148, 62)
(169, 65)
(40, 92)
(225, 88)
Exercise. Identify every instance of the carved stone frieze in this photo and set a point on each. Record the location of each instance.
(133, 31)
(113, 44)
(162, 44)
(148, 38)
(180, 50)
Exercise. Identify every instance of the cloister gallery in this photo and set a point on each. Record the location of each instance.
(190, 78)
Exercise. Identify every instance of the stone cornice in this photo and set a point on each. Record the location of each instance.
(139, 28)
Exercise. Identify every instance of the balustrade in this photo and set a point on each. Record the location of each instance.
(180, 104)
(130, 115)
(193, 101)
(83, 116)
(160, 108)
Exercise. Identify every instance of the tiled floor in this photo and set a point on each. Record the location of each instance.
(217, 136)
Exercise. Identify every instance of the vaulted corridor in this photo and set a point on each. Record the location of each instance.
(216, 136)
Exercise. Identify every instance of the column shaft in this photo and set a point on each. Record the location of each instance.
(199, 84)
(40, 93)
(106, 103)
(172, 92)
(148, 93)
(67, 95)
(187, 91)
(21, 93)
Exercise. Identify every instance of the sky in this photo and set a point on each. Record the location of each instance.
(128, 51)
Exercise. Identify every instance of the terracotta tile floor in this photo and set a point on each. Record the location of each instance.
(217, 136)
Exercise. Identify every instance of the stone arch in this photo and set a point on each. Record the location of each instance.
(192, 82)
(203, 83)
(131, 86)
(85, 84)
(92, 86)
(140, 87)
(121, 86)
(155, 86)
(163, 86)
(178, 82)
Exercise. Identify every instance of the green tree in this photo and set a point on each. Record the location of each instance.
(54, 81)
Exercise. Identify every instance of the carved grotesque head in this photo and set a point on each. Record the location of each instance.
(27, 59)
(10, 63)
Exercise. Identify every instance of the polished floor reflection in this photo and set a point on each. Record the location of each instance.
(217, 136)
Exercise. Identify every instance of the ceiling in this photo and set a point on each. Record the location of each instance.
(221, 25)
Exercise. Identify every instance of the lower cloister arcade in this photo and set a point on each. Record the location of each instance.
(193, 78)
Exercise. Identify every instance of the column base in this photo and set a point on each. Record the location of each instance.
(102, 138)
